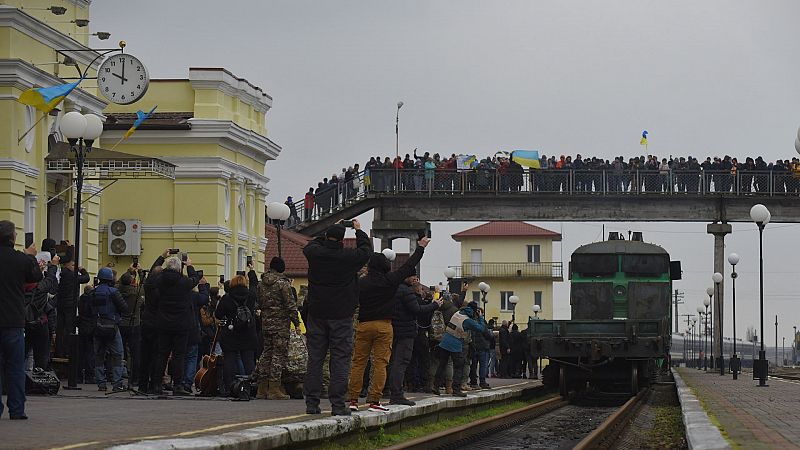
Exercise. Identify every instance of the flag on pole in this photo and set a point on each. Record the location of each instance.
(46, 99)
(644, 139)
(141, 116)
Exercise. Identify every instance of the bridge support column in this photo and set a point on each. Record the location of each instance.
(719, 230)
(387, 231)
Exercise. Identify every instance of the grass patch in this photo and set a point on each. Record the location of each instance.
(668, 430)
(383, 439)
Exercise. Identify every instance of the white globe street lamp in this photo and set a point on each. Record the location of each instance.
(717, 279)
(733, 259)
(449, 273)
(761, 215)
(80, 131)
(278, 212)
(484, 288)
(513, 300)
(536, 309)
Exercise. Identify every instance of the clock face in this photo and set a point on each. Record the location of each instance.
(122, 79)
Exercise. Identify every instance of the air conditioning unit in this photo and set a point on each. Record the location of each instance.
(125, 237)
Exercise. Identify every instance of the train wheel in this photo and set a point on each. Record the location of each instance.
(634, 377)
(562, 381)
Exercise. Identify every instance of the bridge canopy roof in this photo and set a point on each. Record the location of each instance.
(500, 229)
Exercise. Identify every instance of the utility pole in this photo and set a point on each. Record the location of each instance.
(677, 299)
(776, 340)
(688, 321)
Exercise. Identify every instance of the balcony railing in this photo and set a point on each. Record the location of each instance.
(541, 270)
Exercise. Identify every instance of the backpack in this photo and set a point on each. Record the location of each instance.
(33, 313)
(243, 316)
(438, 326)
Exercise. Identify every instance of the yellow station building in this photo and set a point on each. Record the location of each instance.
(515, 259)
(209, 135)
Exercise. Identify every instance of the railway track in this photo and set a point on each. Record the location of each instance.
(589, 423)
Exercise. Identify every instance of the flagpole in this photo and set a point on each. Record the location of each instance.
(31, 128)
(118, 142)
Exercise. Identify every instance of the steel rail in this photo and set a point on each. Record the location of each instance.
(604, 435)
(488, 425)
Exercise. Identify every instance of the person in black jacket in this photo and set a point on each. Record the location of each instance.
(407, 308)
(332, 298)
(65, 323)
(505, 350)
(149, 378)
(107, 307)
(200, 298)
(516, 340)
(17, 269)
(238, 337)
(38, 312)
(174, 319)
(374, 334)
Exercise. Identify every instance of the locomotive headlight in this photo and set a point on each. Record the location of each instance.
(619, 290)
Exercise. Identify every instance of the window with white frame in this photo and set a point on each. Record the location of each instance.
(241, 260)
(534, 253)
(505, 304)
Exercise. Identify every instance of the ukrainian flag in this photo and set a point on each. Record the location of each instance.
(46, 99)
(141, 116)
(526, 158)
(644, 139)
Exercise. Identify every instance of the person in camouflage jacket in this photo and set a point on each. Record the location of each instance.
(278, 310)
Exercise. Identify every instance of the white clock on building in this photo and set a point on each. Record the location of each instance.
(122, 79)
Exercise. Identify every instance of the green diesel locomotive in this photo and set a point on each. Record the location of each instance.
(620, 331)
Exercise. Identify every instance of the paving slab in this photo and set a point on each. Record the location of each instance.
(750, 417)
(88, 419)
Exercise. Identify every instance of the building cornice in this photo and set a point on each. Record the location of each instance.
(21, 75)
(81, 3)
(226, 82)
(190, 228)
(221, 132)
(19, 20)
(19, 166)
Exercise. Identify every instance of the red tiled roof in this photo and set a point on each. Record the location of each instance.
(507, 229)
(291, 249)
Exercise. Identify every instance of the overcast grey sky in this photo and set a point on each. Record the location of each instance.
(564, 77)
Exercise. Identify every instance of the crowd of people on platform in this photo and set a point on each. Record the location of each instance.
(360, 329)
(501, 172)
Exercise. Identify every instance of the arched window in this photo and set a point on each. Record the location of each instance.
(241, 260)
(242, 216)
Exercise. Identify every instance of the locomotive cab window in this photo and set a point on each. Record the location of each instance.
(645, 265)
(594, 265)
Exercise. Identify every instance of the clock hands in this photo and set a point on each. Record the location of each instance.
(123, 72)
(120, 77)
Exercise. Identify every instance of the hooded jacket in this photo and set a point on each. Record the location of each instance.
(332, 272)
(453, 344)
(237, 339)
(174, 300)
(406, 309)
(378, 287)
(66, 288)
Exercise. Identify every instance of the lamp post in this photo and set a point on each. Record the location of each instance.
(397, 142)
(760, 215)
(776, 340)
(717, 279)
(704, 322)
(794, 346)
(694, 340)
(536, 309)
(81, 131)
(733, 259)
(278, 212)
(484, 287)
(783, 348)
(513, 300)
(710, 317)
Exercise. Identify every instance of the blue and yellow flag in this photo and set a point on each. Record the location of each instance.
(644, 139)
(141, 116)
(46, 99)
(526, 158)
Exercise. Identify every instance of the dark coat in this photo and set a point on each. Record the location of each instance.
(66, 287)
(376, 291)
(237, 339)
(407, 307)
(505, 340)
(40, 298)
(332, 272)
(199, 299)
(174, 300)
(482, 340)
(17, 269)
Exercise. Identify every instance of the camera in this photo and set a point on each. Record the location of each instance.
(249, 260)
(135, 261)
(184, 256)
(222, 279)
(199, 274)
(174, 251)
(348, 223)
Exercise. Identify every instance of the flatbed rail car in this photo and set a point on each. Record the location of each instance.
(620, 332)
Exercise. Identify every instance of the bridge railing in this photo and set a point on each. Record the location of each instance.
(331, 198)
(540, 270)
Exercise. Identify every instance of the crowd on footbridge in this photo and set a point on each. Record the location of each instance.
(503, 173)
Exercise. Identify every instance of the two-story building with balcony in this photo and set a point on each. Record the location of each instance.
(515, 259)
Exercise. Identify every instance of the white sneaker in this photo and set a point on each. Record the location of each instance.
(377, 407)
(354, 405)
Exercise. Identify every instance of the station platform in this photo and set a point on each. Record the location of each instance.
(747, 416)
(88, 419)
